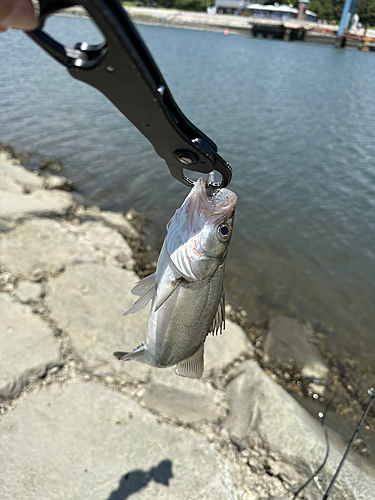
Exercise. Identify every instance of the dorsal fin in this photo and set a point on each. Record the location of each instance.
(218, 324)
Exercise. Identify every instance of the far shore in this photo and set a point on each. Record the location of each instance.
(200, 21)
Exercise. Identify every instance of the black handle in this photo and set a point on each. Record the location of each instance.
(124, 71)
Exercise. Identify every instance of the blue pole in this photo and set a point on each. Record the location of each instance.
(344, 22)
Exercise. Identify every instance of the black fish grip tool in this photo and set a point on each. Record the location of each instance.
(124, 71)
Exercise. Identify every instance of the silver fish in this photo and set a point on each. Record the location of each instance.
(187, 288)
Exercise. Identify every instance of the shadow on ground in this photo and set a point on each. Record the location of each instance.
(137, 479)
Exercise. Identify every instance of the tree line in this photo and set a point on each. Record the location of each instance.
(330, 10)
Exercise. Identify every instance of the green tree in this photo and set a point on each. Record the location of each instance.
(366, 12)
(330, 10)
(323, 8)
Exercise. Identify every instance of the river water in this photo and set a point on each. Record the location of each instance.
(296, 122)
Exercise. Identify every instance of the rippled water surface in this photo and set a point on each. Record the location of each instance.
(296, 122)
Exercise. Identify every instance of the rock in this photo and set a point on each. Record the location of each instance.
(290, 338)
(17, 175)
(16, 206)
(87, 213)
(256, 400)
(87, 301)
(118, 221)
(316, 390)
(28, 346)
(188, 400)
(287, 472)
(250, 495)
(56, 182)
(111, 219)
(50, 247)
(28, 291)
(109, 243)
(51, 165)
(9, 185)
(258, 404)
(6, 225)
(315, 369)
(222, 350)
(82, 440)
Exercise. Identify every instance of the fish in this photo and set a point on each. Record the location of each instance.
(186, 290)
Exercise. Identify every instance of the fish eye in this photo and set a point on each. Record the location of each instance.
(223, 231)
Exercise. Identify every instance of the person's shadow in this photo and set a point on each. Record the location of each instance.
(137, 479)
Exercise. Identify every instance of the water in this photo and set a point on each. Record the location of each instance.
(296, 122)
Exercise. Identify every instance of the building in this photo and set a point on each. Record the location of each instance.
(262, 11)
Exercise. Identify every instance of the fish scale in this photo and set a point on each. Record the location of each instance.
(182, 334)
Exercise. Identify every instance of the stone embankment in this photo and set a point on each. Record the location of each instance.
(75, 423)
(183, 19)
(190, 20)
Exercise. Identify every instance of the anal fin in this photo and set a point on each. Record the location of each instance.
(193, 366)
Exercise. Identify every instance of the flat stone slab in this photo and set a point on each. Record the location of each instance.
(119, 222)
(256, 400)
(16, 206)
(290, 338)
(258, 404)
(109, 243)
(114, 220)
(221, 350)
(27, 345)
(188, 400)
(88, 301)
(50, 244)
(9, 185)
(29, 291)
(82, 440)
(13, 174)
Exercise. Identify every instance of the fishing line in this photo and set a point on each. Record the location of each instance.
(371, 392)
(314, 474)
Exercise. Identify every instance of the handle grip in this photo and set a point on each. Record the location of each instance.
(124, 71)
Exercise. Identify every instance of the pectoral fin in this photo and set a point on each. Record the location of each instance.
(146, 290)
(192, 367)
(218, 324)
(144, 285)
(167, 292)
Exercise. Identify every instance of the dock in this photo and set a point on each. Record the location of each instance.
(294, 29)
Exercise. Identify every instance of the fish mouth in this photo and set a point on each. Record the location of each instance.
(200, 209)
(221, 203)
